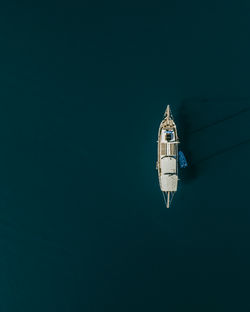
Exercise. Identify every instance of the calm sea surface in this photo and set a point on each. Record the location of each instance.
(83, 226)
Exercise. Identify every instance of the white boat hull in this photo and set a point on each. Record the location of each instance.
(167, 163)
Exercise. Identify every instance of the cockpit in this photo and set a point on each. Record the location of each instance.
(169, 135)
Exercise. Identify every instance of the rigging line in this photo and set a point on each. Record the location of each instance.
(172, 196)
(163, 193)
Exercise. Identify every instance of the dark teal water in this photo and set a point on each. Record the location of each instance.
(83, 225)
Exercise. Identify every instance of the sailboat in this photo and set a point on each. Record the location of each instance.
(167, 160)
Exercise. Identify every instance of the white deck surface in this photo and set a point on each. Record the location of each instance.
(168, 165)
(169, 183)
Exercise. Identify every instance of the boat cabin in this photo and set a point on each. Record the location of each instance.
(168, 161)
(167, 136)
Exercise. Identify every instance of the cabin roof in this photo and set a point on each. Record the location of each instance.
(168, 165)
(169, 182)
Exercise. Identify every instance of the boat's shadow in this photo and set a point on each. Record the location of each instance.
(191, 122)
(184, 126)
